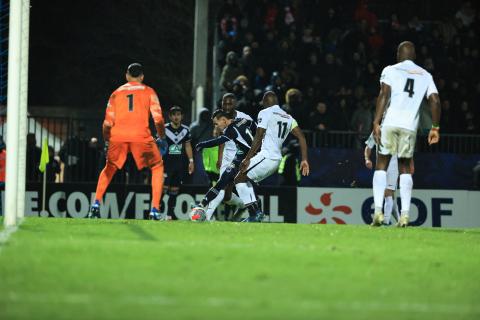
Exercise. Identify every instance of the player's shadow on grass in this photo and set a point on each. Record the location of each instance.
(140, 232)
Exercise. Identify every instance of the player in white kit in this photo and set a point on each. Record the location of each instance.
(390, 205)
(273, 127)
(403, 86)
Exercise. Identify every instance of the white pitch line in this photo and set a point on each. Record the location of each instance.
(242, 302)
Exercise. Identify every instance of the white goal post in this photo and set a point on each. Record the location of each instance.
(17, 93)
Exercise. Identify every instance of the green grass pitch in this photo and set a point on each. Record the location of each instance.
(127, 269)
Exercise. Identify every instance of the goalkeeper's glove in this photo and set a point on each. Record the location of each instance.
(162, 145)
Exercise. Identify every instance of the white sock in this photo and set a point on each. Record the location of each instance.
(379, 184)
(387, 209)
(246, 192)
(406, 186)
(212, 205)
(236, 201)
(395, 210)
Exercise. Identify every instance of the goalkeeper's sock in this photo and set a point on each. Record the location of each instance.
(379, 184)
(212, 205)
(387, 209)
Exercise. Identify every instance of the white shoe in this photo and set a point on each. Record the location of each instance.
(403, 222)
(377, 219)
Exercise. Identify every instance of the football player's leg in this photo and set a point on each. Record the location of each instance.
(379, 182)
(406, 187)
(392, 179)
(116, 157)
(405, 155)
(173, 191)
(146, 154)
(216, 194)
(259, 169)
(226, 177)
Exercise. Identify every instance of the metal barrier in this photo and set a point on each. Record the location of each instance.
(449, 143)
(77, 146)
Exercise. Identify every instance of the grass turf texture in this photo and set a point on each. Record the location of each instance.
(118, 269)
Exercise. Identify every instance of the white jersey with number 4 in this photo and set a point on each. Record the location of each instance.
(278, 124)
(409, 84)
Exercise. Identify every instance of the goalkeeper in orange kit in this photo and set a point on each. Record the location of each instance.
(126, 129)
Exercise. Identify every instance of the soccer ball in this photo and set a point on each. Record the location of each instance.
(198, 214)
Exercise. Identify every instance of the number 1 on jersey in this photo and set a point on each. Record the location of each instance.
(282, 133)
(409, 87)
(130, 102)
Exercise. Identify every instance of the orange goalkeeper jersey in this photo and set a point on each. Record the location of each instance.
(128, 112)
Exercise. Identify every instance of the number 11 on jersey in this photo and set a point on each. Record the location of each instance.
(282, 133)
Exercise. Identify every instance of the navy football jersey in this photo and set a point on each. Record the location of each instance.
(176, 137)
(241, 131)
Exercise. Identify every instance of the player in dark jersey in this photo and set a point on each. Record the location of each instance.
(240, 131)
(178, 139)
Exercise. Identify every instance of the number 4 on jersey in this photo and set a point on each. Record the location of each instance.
(409, 87)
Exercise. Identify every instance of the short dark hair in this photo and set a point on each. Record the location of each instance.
(174, 109)
(135, 69)
(220, 113)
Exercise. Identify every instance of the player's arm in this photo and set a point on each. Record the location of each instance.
(304, 166)
(189, 152)
(220, 141)
(156, 112)
(256, 143)
(382, 100)
(220, 155)
(109, 122)
(434, 134)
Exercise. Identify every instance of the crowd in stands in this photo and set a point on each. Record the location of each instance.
(324, 59)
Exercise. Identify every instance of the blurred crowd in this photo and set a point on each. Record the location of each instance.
(324, 59)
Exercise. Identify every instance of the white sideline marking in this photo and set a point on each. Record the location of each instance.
(5, 234)
(219, 302)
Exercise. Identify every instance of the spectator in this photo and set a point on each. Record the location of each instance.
(342, 116)
(294, 106)
(201, 129)
(320, 119)
(72, 153)
(260, 81)
(447, 121)
(362, 121)
(276, 85)
(466, 14)
(362, 13)
(53, 166)
(33, 158)
(230, 71)
(248, 63)
(91, 161)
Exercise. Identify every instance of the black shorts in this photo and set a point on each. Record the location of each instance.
(175, 172)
